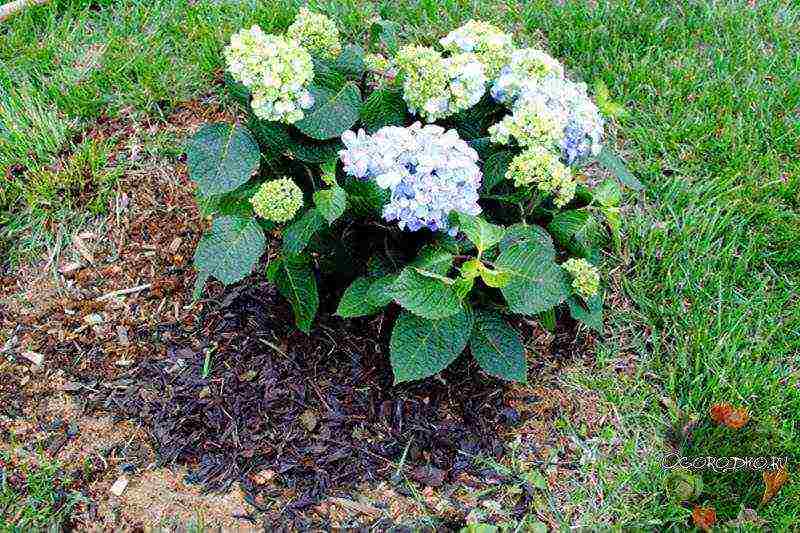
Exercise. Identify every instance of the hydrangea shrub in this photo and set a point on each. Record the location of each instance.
(443, 182)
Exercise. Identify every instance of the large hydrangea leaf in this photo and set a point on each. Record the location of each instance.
(221, 157)
(351, 61)
(481, 233)
(273, 137)
(355, 300)
(590, 312)
(494, 169)
(296, 281)
(237, 90)
(297, 235)
(230, 250)
(383, 108)
(497, 347)
(333, 112)
(434, 259)
(331, 203)
(420, 347)
(426, 296)
(537, 283)
(579, 232)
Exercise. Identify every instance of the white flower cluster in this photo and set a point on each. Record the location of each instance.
(492, 47)
(277, 72)
(556, 112)
(429, 172)
(527, 66)
(435, 87)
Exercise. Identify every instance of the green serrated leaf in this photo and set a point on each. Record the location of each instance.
(380, 292)
(420, 347)
(355, 300)
(327, 75)
(384, 32)
(231, 249)
(351, 61)
(237, 91)
(273, 138)
(616, 166)
(331, 203)
(463, 286)
(497, 347)
(383, 107)
(608, 193)
(434, 259)
(333, 113)
(537, 282)
(297, 283)
(311, 151)
(297, 236)
(221, 157)
(578, 231)
(481, 233)
(528, 233)
(364, 198)
(425, 296)
(589, 312)
(494, 169)
(495, 278)
(484, 146)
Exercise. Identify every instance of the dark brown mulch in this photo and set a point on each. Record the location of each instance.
(320, 411)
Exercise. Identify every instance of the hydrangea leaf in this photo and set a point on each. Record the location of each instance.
(484, 146)
(273, 137)
(420, 347)
(537, 282)
(237, 91)
(426, 296)
(351, 61)
(497, 347)
(481, 233)
(297, 283)
(495, 278)
(230, 250)
(299, 233)
(383, 107)
(589, 312)
(494, 169)
(331, 203)
(385, 32)
(355, 300)
(380, 292)
(530, 233)
(311, 151)
(579, 232)
(616, 166)
(332, 114)
(608, 193)
(463, 286)
(434, 259)
(364, 198)
(221, 157)
(326, 75)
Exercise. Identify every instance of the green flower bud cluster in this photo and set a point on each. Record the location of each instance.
(316, 33)
(492, 47)
(277, 200)
(276, 70)
(537, 165)
(585, 277)
(532, 123)
(435, 87)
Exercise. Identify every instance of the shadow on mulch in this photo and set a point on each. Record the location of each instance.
(247, 393)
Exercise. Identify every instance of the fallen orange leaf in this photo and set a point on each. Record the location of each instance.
(773, 481)
(704, 517)
(733, 417)
(720, 412)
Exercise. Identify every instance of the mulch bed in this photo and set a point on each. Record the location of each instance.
(320, 412)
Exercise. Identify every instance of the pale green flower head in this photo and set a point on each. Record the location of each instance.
(585, 277)
(317, 33)
(435, 87)
(277, 71)
(376, 62)
(491, 46)
(278, 200)
(531, 123)
(542, 168)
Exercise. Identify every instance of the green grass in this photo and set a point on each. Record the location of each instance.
(709, 270)
(35, 496)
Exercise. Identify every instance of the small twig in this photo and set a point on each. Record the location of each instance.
(122, 292)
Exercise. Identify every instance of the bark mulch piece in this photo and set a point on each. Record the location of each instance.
(247, 393)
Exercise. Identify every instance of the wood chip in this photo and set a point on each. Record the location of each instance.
(70, 268)
(119, 486)
(356, 506)
(122, 335)
(34, 357)
(82, 249)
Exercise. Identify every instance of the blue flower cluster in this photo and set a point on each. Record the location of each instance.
(429, 172)
(561, 103)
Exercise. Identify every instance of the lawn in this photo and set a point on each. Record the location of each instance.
(705, 305)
